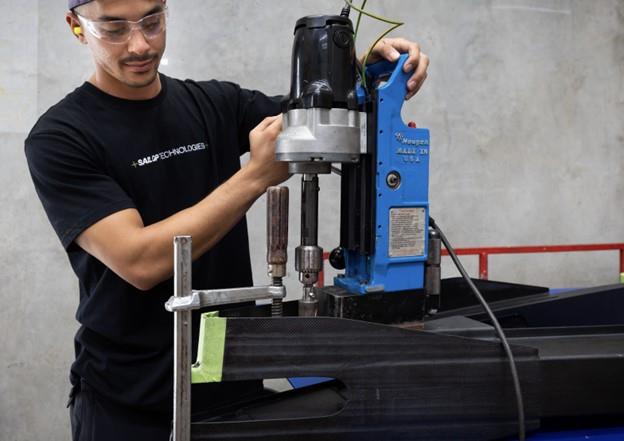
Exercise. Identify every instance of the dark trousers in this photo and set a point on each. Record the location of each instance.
(96, 419)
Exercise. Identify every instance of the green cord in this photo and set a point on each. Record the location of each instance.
(372, 15)
(357, 28)
(378, 40)
(361, 11)
(359, 19)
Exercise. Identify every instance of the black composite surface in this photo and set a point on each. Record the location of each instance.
(399, 384)
(450, 381)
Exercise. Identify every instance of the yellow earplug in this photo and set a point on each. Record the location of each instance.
(77, 30)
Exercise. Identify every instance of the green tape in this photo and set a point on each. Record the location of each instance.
(209, 365)
(621, 277)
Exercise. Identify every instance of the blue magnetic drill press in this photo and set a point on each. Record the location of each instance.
(338, 112)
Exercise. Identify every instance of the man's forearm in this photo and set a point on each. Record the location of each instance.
(143, 255)
(207, 222)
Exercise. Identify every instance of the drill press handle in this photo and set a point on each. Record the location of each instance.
(396, 84)
(277, 230)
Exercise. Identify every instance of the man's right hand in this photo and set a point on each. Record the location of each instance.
(142, 255)
(262, 149)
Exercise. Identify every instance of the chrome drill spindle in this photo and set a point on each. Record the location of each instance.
(308, 256)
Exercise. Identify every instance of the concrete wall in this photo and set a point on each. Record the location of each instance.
(525, 102)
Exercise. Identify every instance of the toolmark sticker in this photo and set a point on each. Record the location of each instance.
(407, 232)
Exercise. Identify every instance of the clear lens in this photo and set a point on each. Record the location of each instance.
(153, 25)
(113, 30)
(119, 31)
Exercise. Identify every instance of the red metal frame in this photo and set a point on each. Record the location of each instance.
(321, 276)
(485, 252)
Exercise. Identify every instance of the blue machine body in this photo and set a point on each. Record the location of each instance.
(401, 213)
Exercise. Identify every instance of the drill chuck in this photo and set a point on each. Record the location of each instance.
(309, 262)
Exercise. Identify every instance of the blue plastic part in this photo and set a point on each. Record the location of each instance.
(299, 382)
(555, 291)
(361, 94)
(404, 151)
(606, 434)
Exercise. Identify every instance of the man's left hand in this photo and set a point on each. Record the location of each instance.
(391, 48)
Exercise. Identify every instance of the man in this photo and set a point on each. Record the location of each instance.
(123, 164)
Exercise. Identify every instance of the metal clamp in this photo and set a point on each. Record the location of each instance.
(217, 297)
(181, 304)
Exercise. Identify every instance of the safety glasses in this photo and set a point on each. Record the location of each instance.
(120, 31)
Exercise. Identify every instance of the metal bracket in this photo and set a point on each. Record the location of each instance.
(182, 350)
(217, 297)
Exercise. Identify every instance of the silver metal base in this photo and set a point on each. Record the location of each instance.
(312, 136)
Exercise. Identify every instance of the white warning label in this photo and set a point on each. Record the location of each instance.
(407, 232)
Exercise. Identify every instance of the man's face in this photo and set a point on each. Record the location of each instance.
(134, 63)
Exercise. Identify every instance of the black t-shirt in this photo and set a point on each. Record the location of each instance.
(92, 155)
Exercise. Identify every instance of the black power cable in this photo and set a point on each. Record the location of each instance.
(497, 326)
